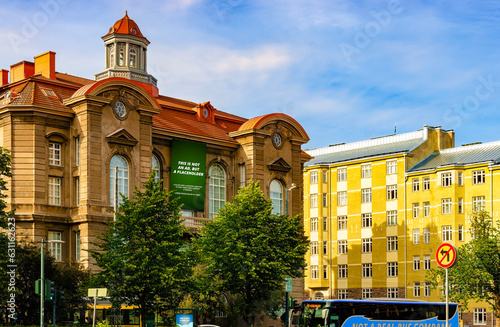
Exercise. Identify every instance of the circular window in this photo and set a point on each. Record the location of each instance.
(120, 109)
(277, 140)
(134, 31)
(205, 112)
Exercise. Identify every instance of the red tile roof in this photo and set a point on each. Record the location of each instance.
(125, 26)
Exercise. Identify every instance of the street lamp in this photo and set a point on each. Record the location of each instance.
(286, 196)
(42, 279)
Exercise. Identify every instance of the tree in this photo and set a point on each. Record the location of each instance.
(248, 252)
(68, 277)
(144, 257)
(476, 272)
(5, 223)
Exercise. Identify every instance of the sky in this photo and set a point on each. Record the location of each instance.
(345, 70)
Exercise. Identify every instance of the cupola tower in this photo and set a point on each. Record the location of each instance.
(126, 53)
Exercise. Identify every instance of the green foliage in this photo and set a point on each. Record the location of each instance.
(144, 258)
(69, 278)
(476, 272)
(247, 252)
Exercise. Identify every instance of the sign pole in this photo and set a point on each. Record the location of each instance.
(95, 303)
(447, 300)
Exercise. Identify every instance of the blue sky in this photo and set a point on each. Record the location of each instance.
(346, 70)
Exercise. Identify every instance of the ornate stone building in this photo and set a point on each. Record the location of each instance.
(77, 142)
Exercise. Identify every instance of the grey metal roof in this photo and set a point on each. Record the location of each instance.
(464, 155)
(364, 152)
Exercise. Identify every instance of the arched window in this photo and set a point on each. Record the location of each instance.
(118, 179)
(155, 164)
(217, 189)
(277, 197)
(133, 57)
(111, 55)
(319, 295)
(121, 54)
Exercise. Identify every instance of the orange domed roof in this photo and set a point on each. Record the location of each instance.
(125, 26)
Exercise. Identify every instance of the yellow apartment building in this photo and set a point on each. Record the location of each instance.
(375, 211)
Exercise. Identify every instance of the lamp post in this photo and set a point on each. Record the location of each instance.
(286, 196)
(42, 279)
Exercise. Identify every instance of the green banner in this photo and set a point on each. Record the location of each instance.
(188, 173)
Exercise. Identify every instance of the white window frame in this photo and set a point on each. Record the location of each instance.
(314, 200)
(325, 200)
(427, 209)
(366, 270)
(392, 292)
(55, 187)
(243, 175)
(478, 203)
(325, 223)
(366, 171)
(77, 151)
(314, 272)
(155, 165)
(343, 271)
(392, 243)
(392, 269)
(416, 262)
(120, 163)
(342, 198)
(77, 191)
(427, 261)
(366, 245)
(446, 233)
(341, 174)
(342, 294)
(446, 179)
(217, 189)
(55, 154)
(392, 192)
(325, 272)
(78, 246)
(366, 293)
(478, 177)
(446, 206)
(55, 248)
(314, 248)
(460, 178)
(314, 224)
(366, 220)
(416, 210)
(427, 236)
(392, 167)
(426, 183)
(460, 205)
(416, 289)
(366, 195)
(461, 233)
(416, 236)
(325, 248)
(325, 176)
(416, 185)
(314, 177)
(341, 222)
(342, 247)
(392, 217)
(479, 316)
(427, 289)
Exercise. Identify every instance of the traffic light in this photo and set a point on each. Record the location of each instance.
(48, 288)
(60, 297)
(294, 304)
(52, 292)
(38, 286)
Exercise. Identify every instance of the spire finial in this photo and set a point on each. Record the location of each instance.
(126, 15)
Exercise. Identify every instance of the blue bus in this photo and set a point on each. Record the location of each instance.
(376, 313)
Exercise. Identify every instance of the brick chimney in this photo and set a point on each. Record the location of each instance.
(4, 77)
(45, 64)
(21, 70)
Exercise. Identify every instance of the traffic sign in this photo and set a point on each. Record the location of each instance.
(288, 285)
(446, 255)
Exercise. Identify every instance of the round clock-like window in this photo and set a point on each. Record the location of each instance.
(277, 140)
(205, 112)
(120, 109)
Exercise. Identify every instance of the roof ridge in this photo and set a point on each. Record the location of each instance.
(396, 138)
(470, 147)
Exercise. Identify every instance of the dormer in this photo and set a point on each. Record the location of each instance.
(205, 112)
(126, 53)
